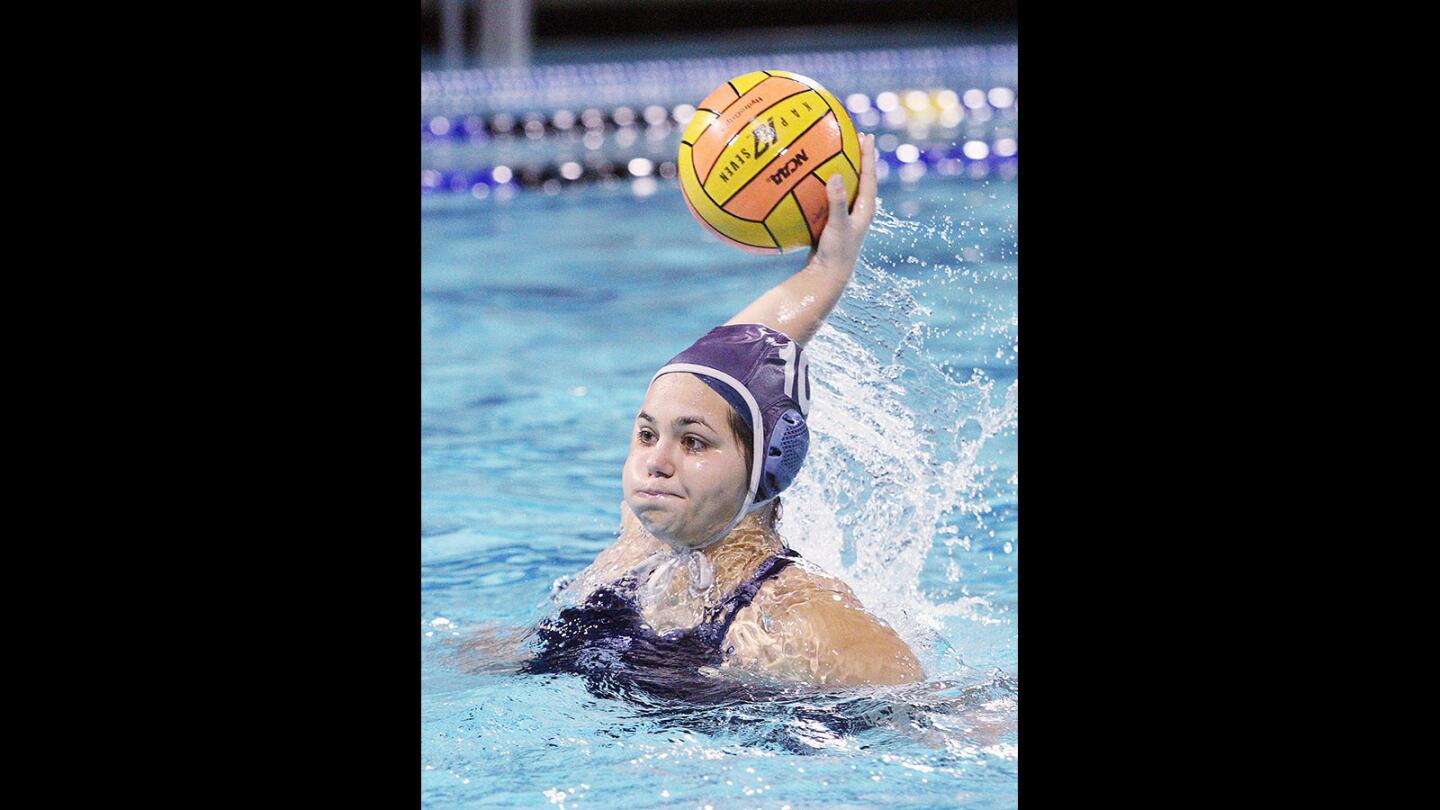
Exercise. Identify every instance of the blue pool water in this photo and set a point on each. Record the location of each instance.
(543, 317)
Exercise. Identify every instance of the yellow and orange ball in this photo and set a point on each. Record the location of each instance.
(755, 158)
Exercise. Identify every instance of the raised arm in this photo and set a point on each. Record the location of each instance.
(798, 305)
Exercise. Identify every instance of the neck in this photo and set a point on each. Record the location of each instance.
(674, 592)
(747, 545)
(672, 597)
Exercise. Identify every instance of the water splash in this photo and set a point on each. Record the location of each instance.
(932, 303)
(898, 431)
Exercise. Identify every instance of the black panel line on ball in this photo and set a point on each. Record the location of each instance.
(777, 101)
(792, 143)
(772, 234)
(694, 169)
(718, 205)
(814, 243)
(721, 207)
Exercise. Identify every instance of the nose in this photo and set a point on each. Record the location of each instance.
(658, 461)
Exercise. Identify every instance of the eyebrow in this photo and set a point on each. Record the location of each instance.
(680, 421)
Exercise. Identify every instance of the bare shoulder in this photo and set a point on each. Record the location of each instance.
(807, 624)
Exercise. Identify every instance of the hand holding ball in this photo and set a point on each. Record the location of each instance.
(755, 158)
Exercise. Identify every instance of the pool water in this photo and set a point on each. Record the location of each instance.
(543, 317)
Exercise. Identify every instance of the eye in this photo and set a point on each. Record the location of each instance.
(646, 435)
(695, 443)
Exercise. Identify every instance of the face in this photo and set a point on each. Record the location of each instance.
(685, 477)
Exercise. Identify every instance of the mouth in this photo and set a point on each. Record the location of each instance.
(655, 493)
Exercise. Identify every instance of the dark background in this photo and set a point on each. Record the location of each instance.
(298, 388)
(562, 19)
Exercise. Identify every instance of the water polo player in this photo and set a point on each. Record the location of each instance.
(700, 585)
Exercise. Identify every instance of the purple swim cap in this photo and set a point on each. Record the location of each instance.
(765, 376)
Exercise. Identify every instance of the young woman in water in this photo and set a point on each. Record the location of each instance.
(699, 581)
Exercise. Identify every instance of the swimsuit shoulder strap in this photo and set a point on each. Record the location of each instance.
(745, 591)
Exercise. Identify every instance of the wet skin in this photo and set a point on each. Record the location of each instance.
(685, 477)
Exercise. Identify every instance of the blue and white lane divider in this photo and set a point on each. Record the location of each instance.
(905, 163)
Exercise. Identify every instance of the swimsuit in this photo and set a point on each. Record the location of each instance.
(607, 641)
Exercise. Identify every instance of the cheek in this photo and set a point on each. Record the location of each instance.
(718, 476)
(702, 473)
(634, 463)
(630, 471)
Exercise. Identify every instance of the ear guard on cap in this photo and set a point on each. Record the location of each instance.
(788, 444)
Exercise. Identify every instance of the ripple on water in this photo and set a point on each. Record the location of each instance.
(912, 472)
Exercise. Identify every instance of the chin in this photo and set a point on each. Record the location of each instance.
(651, 516)
(660, 528)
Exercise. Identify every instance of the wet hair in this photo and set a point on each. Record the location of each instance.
(745, 436)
